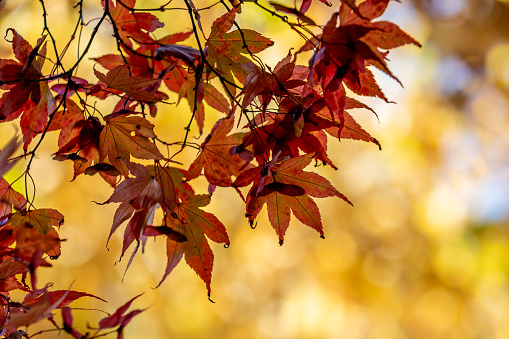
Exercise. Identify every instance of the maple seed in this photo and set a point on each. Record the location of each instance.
(73, 86)
(285, 189)
(264, 171)
(102, 167)
(72, 156)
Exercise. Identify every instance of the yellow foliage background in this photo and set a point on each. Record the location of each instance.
(423, 254)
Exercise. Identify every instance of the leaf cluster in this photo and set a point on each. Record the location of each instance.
(275, 122)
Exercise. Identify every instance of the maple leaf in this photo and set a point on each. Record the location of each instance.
(172, 39)
(117, 141)
(225, 49)
(215, 156)
(285, 187)
(28, 95)
(64, 297)
(140, 196)
(160, 65)
(368, 10)
(141, 192)
(110, 61)
(287, 79)
(294, 127)
(8, 269)
(216, 99)
(194, 224)
(10, 198)
(7, 238)
(36, 313)
(132, 25)
(121, 80)
(174, 187)
(175, 78)
(40, 306)
(139, 65)
(42, 220)
(119, 318)
(123, 213)
(353, 6)
(185, 85)
(336, 103)
(347, 49)
(34, 119)
(24, 74)
(364, 84)
(289, 108)
(81, 145)
(68, 121)
(351, 129)
(30, 245)
(135, 231)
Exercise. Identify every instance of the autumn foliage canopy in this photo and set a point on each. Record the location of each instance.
(276, 122)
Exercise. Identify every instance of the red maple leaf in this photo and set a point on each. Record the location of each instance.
(285, 187)
(287, 79)
(79, 142)
(297, 125)
(125, 135)
(41, 220)
(39, 307)
(9, 268)
(35, 233)
(346, 50)
(140, 193)
(136, 26)
(21, 78)
(121, 80)
(194, 224)
(31, 245)
(215, 158)
(351, 129)
(119, 318)
(153, 186)
(10, 198)
(69, 121)
(225, 49)
(35, 118)
(64, 297)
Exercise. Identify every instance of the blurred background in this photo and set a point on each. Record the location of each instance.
(423, 254)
